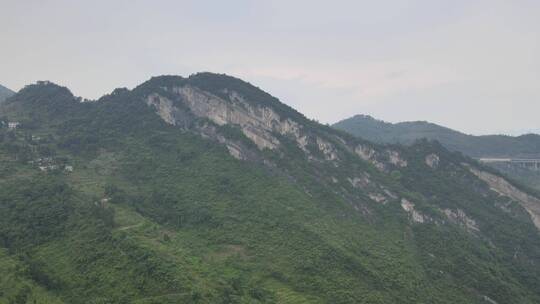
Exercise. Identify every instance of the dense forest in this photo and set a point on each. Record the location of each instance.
(149, 196)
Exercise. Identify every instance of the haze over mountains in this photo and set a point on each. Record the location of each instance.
(207, 189)
(5, 93)
(488, 146)
(365, 126)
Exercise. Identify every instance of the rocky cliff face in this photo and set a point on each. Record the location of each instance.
(461, 218)
(260, 124)
(503, 187)
(257, 123)
(380, 159)
(432, 160)
(266, 129)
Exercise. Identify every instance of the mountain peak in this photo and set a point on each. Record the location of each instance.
(43, 96)
(46, 89)
(221, 85)
(364, 116)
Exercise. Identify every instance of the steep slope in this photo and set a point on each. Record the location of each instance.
(208, 190)
(525, 146)
(490, 146)
(525, 175)
(5, 93)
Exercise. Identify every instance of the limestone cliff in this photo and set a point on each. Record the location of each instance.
(503, 187)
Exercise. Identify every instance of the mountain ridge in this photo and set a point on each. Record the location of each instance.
(207, 189)
(527, 145)
(5, 93)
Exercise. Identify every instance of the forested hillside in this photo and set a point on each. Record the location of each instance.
(488, 146)
(525, 146)
(208, 190)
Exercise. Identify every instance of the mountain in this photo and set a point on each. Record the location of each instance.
(207, 189)
(488, 146)
(497, 146)
(5, 93)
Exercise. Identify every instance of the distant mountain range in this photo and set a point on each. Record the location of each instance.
(5, 93)
(367, 127)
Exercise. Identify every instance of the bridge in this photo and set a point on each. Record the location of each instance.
(527, 163)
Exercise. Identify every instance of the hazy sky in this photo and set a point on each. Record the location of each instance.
(470, 65)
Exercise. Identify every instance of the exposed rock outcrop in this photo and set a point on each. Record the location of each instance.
(327, 149)
(395, 159)
(503, 187)
(379, 198)
(380, 159)
(432, 160)
(164, 108)
(389, 193)
(359, 182)
(369, 154)
(258, 123)
(365, 152)
(414, 215)
(460, 217)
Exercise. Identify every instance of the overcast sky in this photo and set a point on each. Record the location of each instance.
(470, 65)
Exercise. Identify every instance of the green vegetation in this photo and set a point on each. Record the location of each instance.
(525, 146)
(497, 146)
(525, 176)
(153, 213)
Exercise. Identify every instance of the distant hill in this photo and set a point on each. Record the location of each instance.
(5, 93)
(367, 127)
(487, 146)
